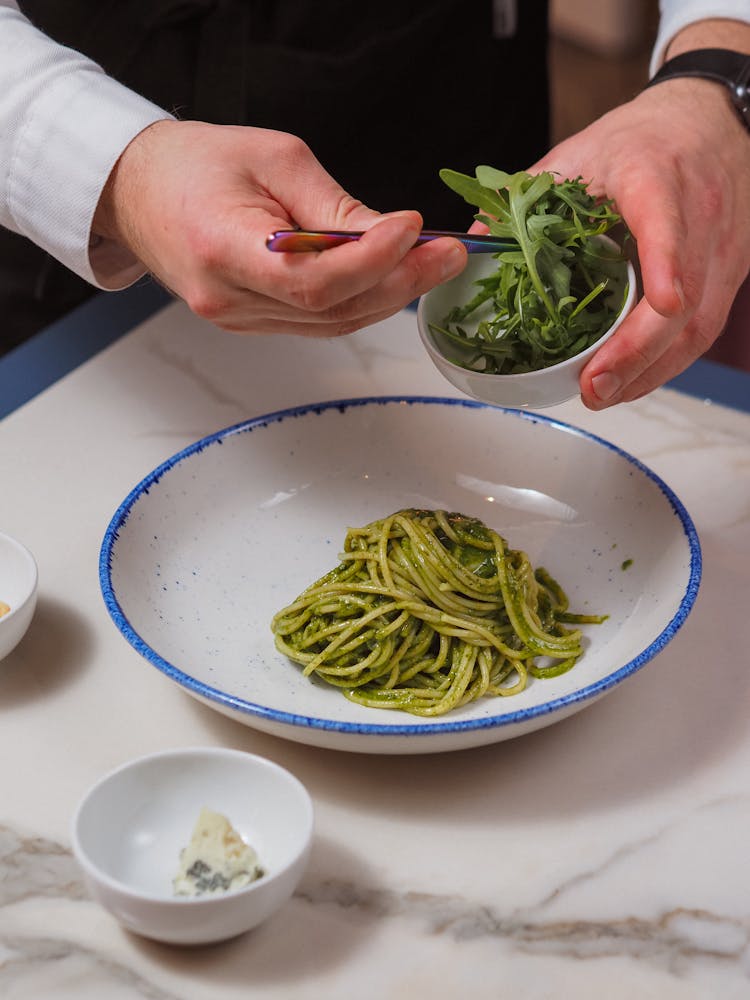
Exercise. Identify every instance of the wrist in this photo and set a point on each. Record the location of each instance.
(721, 75)
(122, 191)
(713, 33)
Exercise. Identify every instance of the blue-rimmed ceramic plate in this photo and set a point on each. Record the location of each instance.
(207, 548)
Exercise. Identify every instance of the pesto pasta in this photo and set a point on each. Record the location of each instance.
(427, 611)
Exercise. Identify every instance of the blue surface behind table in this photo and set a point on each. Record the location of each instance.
(62, 346)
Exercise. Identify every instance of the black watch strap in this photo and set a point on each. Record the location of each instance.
(724, 66)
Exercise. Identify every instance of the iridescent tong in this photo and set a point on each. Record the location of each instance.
(305, 240)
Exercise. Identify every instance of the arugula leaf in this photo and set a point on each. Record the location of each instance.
(550, 299)
(474, 192)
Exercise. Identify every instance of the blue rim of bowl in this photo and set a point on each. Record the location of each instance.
(512, 717)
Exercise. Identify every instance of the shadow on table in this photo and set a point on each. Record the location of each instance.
(51, 655)
(303, 940)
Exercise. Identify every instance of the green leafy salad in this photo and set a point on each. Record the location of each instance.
(554, 296)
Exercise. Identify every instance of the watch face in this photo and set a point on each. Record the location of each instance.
(741, 94)
(741, 100)
(742, 103)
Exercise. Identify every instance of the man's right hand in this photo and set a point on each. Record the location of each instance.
(195, 203)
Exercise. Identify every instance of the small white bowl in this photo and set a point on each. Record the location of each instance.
(18, 589)
(537, 389)
(129, 830)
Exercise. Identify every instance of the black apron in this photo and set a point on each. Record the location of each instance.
(384, 93)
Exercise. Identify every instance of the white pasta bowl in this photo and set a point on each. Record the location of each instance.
(131, 826)
(204, 551)
(535, 389)
(18, 591)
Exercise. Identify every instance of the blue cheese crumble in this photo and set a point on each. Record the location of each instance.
(216, 860)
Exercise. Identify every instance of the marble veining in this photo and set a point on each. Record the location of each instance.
(202, 383)
(33, 868)
(672, 937)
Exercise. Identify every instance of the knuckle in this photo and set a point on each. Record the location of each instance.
(313, 296)
(207, 303)
(207, 250)
(291, 151)
(420, 276)
(347, 207)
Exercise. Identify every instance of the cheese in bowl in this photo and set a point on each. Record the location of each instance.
(217, 859)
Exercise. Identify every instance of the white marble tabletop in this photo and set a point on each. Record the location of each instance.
(605, 856)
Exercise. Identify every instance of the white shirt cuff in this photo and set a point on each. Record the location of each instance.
(63, 126)
(71, 140)
(678, 14)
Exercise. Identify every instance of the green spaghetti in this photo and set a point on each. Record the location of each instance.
(427, 611)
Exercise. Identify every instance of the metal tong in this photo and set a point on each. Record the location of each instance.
(306, 240)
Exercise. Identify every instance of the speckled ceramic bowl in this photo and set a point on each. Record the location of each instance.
(217, 539)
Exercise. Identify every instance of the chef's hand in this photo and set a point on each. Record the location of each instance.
(195, 203)
(676, 161)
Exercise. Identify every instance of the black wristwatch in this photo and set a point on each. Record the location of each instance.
(731, 69)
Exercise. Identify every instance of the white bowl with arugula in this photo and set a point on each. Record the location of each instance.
(518, 328)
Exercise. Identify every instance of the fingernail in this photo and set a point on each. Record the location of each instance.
(606, 385)
(453, 262)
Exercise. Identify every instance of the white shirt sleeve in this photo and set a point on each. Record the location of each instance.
(63, 125)
(677, 14)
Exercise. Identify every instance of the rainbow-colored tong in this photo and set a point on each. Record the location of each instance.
(305, 240)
